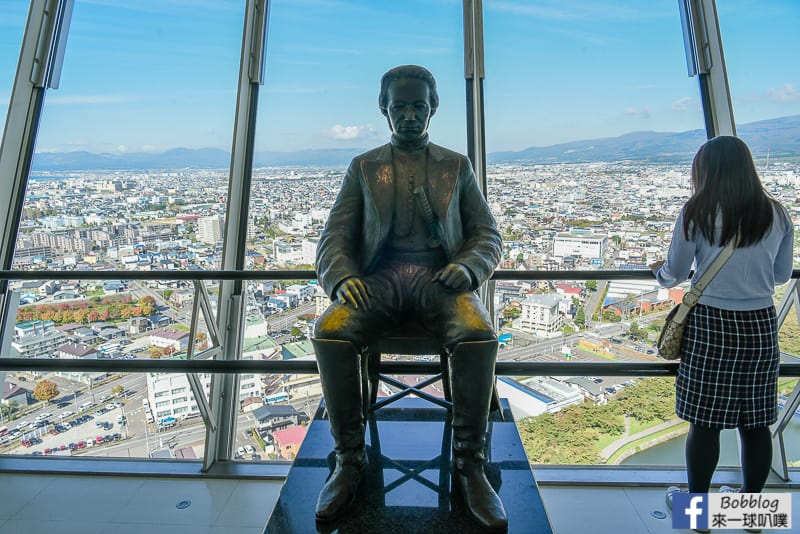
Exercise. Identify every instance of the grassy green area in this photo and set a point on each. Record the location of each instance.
(641, 426)
(789, 334)
(606, 440)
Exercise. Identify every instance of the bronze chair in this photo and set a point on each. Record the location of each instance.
(409, 339)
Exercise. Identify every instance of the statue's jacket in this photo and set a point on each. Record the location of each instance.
(361, 217)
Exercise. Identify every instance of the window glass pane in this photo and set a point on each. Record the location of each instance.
(759, 40)
(586, 106)
(103, 414)
(765, 86)
(13, 16)
(765, 90)
(275, 409)
(119, 319)
(317, 109)
(131, 159)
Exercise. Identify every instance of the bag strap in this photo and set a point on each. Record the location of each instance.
(691, 297)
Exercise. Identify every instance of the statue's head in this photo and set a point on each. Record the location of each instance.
(408, 99)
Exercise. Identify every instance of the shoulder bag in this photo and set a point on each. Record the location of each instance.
(671, 337)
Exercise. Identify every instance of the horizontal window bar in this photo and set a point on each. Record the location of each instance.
(640, 274)
(310, 367)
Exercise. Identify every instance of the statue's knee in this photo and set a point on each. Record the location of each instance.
(334, 323)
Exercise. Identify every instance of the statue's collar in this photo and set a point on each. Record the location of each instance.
(418, 144)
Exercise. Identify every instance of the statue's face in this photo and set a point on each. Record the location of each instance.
(408, 108)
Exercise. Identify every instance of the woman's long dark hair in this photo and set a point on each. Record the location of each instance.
(725, 182)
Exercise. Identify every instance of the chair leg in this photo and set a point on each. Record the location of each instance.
(495, 402)
(373, 369)
(366, 390)
(444, 365)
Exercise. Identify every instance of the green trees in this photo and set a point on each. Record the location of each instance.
(7, 410)
(576, 434)
(580, 317)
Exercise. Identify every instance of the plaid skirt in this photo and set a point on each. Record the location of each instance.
(728, 373)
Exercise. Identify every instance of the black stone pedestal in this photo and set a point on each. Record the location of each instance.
(407, 485)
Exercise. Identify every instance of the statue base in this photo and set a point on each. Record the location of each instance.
(407, 485)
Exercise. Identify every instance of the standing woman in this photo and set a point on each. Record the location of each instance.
(728, 373)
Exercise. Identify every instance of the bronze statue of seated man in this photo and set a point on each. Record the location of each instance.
(409, 236)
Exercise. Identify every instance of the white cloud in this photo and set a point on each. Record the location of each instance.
(787, 93)
(683, 104)
(348, 133)
(122, 148)
(643, 113)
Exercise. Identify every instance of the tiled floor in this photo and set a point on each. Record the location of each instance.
(611, 510)
(67, 504)
(39, 504)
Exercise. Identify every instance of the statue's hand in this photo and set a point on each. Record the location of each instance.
(454, 277)
(353, 292)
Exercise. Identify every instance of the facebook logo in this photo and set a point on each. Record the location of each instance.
(690, 510)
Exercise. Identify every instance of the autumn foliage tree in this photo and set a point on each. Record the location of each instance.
(45, 391)
(147, 304)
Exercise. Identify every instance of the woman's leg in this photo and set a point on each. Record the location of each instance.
(702, 455)
(756, 458)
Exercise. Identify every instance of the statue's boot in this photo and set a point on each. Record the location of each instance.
(340, 373)
(472, 386)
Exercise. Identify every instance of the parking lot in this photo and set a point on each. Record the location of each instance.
(68, 432)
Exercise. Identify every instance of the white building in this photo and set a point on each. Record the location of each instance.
(170, 395)
(33, 328)
(309, 250)
(321, 301)
(579, 243)
(288, 252)
(41, 346)
(619, 289)
(540, 315)
(304, 292)
(535, 396)
(209, 229)
(169, 337)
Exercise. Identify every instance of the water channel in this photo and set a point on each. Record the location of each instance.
(671, 452)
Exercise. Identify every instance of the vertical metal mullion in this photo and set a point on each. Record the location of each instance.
(706, 60)
(474, 72)
(220, 437)
(473, 75)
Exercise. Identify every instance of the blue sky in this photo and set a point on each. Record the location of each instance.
(155, 74)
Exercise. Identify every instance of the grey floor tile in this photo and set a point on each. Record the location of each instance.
(584, 510)
(251, 504)
(16, 491)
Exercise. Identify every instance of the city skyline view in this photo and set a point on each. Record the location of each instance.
(166, 78)
(165, 292)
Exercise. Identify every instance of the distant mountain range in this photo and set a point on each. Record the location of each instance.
(780, 136)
